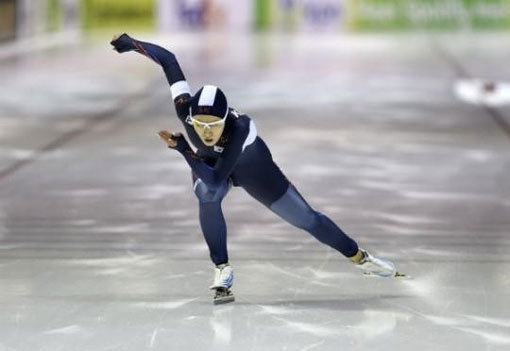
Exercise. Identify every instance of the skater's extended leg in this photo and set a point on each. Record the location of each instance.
(264, 181)
(212, 220)
(295, 210)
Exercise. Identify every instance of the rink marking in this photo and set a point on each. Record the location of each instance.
(89, 122)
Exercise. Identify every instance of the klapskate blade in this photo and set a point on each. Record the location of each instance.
(224, 299)
(397, 275)
(400, 275)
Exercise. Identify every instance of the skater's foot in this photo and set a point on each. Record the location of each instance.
(375, 266)
(223, 280)
(223, 276)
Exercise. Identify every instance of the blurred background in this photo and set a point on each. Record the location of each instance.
(390, 116)
(24, 18)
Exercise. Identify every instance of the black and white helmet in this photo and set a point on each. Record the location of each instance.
(209, 100)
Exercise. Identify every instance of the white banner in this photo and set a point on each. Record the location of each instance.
(32, 16)
(322, 15)
(232, 15)
(308, 15)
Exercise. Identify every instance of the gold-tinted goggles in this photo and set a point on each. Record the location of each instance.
(206, 125)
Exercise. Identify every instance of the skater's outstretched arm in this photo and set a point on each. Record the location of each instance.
(179, 87)
(212, 176)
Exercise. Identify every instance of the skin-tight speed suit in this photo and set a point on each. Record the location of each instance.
(240, 158)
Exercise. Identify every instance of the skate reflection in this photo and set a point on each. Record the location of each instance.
(221, 324)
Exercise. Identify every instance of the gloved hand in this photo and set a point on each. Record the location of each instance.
(123, 43)
(175, 141)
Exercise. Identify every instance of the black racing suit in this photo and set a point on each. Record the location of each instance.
(240, 158)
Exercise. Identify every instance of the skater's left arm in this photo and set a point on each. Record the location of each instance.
(179, 87)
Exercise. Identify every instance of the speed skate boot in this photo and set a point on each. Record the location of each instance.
(373, 266)
(223, 280)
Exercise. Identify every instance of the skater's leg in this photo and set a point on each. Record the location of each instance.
(264, 181)
(295, 210)
(214, 229)
(215, 233)
(212, 220)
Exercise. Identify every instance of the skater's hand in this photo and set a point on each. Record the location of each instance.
(174, 141)
(123, 43)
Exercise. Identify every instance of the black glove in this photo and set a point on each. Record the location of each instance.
(182, 143)
(123, 43)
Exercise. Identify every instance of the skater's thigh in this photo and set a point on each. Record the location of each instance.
(293, 208)
(282, 198)
(261, 178)
(265, 187)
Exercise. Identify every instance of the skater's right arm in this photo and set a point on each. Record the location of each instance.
(210, 175)
(181, 93)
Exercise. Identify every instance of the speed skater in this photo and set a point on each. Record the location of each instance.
(229, 152)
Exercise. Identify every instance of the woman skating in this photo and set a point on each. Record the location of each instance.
(230, 153)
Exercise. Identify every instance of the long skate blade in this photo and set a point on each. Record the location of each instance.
(223, 295)
(397, 275)
(403, 276)
(224, 299)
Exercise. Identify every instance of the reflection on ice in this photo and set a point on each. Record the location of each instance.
(315, 329)
(367, 129)
(489, 336)
(72, 329)
(221, 324)
(132, 260)
(166, 305)
(500, 322)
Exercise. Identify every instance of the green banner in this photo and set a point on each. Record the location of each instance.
(262, 14)
(118, 13)
(428, 14)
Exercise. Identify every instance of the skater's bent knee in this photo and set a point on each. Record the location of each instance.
(209, 196)
(208, 193)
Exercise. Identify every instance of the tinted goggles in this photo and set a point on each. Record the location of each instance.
(207, 125)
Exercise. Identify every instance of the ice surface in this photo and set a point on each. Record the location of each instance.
(100, 247)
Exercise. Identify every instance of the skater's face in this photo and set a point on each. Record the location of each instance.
(208, 128)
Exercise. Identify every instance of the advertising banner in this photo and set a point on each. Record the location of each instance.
(100, 14)
(300, 15)
(231, 15)
(428, 14)
(245, 15)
